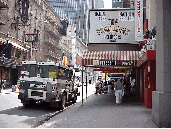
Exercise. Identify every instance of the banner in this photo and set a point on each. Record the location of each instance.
(139, 20)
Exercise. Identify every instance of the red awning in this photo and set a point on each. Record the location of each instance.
(149, 55)
(93, 57)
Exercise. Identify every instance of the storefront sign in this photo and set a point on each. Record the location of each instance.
(115, 63)
(112, 70)
(116, 26)
(139, 20)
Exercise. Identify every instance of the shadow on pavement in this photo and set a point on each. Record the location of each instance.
(34, 111)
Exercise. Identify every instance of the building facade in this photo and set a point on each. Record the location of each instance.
(35, 39)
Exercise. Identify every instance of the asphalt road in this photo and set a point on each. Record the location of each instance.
(14, 115)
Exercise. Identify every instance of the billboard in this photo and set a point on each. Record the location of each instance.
(112, 26)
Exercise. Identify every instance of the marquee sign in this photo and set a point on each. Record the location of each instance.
(112, 26)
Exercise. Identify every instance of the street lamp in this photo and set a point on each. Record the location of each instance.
(7, 38)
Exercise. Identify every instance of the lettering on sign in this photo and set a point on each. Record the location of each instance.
(116, 63)
(113, 27)
(139, 20)
(126, 16)
(101, 15)
(138, 16)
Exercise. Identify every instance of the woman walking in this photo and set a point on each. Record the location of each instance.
(119, 89)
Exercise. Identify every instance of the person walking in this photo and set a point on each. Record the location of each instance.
(97, 86)
(119, 89)
(110, 86)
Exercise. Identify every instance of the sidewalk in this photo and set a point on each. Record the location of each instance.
(100, 111)
(8, 91)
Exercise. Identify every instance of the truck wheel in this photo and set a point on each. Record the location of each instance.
(29, 103)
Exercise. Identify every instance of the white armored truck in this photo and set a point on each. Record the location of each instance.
(46, 82)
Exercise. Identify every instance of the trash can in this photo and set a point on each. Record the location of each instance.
(13, 88)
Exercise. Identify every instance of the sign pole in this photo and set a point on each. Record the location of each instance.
(82, 85)
(86, 84)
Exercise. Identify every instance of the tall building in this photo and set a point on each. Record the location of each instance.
(65, 8)
(75, 11)
(122, 3)
(96, 4)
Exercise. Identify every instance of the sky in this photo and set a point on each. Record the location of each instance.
(107, 4)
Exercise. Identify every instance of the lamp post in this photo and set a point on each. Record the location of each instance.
(7, 38)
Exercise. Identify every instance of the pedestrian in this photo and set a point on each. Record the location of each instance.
(110, 87)
(3, 84)
(119, 90)
(97, 87)
(101, 89)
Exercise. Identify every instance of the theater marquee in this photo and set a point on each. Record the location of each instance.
(112, 26)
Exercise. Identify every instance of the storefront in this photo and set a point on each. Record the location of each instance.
(122, 62)
(147, 65)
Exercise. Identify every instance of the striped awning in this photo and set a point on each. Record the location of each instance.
(89, 57)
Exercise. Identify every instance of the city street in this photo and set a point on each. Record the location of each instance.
(52, 48)
(14, 115)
